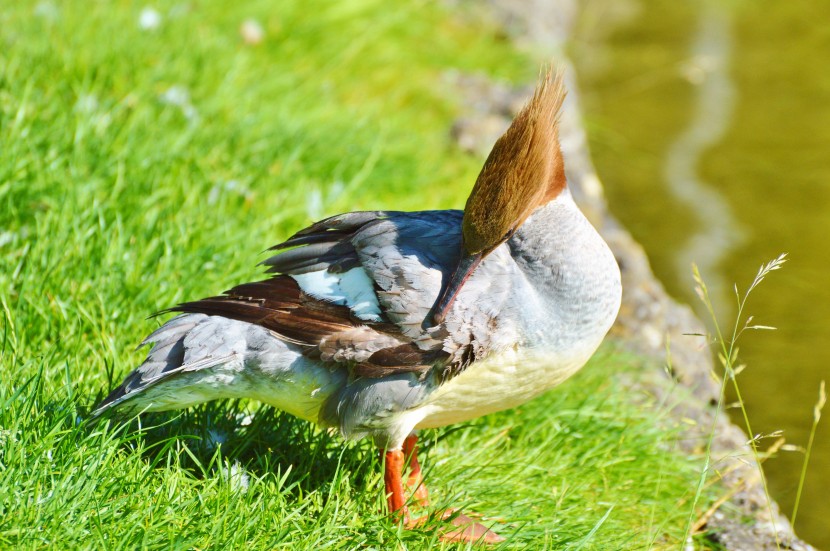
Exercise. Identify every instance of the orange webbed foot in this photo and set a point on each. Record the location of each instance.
(467, 529)
(461, 528)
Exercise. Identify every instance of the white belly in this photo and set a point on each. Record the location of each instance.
(499, 382)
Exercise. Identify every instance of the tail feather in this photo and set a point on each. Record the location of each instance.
(179, 346)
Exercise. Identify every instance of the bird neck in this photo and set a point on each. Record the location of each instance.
(570, 270)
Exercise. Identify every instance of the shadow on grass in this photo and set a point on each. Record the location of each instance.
(260, 439)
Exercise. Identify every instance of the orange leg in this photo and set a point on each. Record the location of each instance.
(393, 461)
(415, 480)
(463, 528)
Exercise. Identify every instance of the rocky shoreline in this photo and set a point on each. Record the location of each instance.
(649, 317)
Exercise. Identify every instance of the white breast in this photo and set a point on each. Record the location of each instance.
(502, 381)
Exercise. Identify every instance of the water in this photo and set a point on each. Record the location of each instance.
(710, 128)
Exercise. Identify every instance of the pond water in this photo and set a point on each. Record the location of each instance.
(710, 128)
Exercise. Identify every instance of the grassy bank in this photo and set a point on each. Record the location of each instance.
(144, 165)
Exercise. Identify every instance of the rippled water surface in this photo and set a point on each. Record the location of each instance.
(710, 127)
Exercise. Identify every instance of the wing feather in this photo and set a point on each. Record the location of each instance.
(407, 256)
(326, 331)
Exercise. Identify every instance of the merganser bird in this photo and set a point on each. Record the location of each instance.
(381, 323)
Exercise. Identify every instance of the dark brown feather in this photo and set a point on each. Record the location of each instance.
(327, 331)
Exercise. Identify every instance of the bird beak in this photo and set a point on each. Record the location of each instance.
(466, 266)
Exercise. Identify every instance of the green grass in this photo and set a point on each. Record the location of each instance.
(120, 197)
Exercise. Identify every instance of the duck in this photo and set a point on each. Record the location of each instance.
(378, 324)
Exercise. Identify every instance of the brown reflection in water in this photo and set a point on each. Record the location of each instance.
(771, 167)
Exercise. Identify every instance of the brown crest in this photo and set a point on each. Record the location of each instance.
(523, 171)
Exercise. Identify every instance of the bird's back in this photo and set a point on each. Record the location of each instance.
(337, 335)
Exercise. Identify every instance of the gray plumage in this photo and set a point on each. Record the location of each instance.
(513, 298)
(382, 322)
